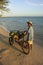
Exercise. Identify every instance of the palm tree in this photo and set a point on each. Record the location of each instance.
(3, 6)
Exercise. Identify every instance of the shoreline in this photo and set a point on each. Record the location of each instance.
(1, 26)
(4, 31)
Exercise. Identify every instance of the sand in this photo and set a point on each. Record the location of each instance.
(13, 55)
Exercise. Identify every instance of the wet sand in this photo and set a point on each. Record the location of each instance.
(13, 55)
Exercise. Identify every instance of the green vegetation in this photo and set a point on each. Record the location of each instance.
(3, 6)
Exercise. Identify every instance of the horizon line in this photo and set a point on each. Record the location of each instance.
(21, 16)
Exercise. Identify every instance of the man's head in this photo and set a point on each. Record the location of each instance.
(29, 23)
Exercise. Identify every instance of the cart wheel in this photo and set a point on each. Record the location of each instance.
(11, 41)
(26, 47)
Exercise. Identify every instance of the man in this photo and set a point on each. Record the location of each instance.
(30, 33)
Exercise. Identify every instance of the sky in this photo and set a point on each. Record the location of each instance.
(25, 8)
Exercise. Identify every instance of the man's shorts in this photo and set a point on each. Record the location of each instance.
(30, 42)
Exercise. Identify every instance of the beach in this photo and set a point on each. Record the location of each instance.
(13, 55)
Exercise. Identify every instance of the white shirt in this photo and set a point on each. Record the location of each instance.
(30, 34)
